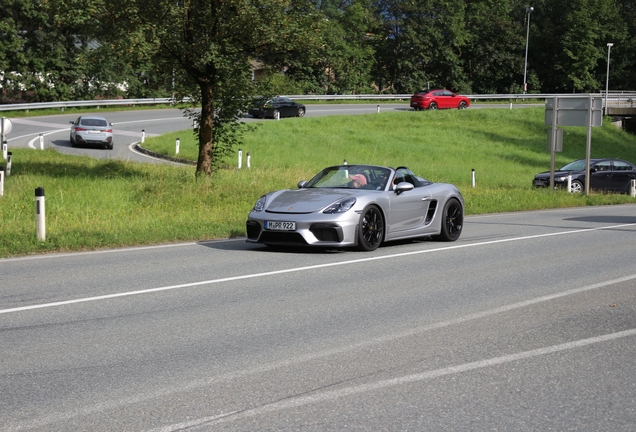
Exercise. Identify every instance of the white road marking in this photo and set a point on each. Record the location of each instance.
(204, 382)
(299, 269)
(329, 396)
(32, 142)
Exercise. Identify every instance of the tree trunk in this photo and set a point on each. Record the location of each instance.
(204, 163)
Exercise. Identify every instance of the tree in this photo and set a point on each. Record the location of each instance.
(494, 54)
(38, 51)
(570, 39)
(422, 42)
(206, 47)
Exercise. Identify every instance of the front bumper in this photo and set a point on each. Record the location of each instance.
(311, 230)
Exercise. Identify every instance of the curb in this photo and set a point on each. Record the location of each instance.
(147, 152)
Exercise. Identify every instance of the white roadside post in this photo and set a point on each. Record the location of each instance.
(473, 173)
(632, 188)
(5, 148)
(1, 180)
(40, 218)
(5, 128)
(248, 160)
(41, 138)
(277, 115)
(378, 108)
(143, 136)
(8, 169)
(178, 143)
(569, 182)
(240, 158)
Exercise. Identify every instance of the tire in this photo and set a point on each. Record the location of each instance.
(432, 106)
(577, 186)
(452, 221)
(72, 141)
(110, 146)
(301, 112)
(462, 105)
(370, 229)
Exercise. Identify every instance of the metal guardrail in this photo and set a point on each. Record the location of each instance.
(615, 98)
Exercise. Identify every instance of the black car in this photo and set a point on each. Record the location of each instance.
(613, 175)
(280, 106)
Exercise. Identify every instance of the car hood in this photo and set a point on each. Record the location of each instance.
(305, 200)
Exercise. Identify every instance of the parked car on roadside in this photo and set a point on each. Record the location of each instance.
(438, 99)
(280, 106)
(91, 131)
(612, 175)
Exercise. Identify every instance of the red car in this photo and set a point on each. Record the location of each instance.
(434, 99)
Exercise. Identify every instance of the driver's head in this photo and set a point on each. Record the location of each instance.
(360, 178)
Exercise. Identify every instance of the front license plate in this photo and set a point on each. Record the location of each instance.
(280, 226)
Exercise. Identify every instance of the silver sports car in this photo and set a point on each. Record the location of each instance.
(357, 205)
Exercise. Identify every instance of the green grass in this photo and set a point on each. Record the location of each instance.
(96, 204)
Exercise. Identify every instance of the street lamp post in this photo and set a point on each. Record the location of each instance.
(529, 9)
(609, 47)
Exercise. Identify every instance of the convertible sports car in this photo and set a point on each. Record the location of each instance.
(357, 205)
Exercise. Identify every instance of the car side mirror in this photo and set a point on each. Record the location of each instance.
(593, 170)
(301, 184)
(403, 187)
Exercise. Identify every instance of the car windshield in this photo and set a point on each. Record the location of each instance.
(578, 165)
(351, 177)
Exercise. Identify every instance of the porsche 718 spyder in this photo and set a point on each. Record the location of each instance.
(357, 206)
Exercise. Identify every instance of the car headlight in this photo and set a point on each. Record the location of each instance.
(560, 179)
(340, 206)
(260, 204)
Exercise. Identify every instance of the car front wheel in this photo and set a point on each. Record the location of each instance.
(577, 186)
(452, 221)
(370, 229)
(462, 105)
(301, 112)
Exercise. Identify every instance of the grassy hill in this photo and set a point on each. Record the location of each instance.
(93, 204)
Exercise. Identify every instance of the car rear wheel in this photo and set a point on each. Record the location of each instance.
(462, 105)
(452, 221)
(577, 186)
(301, 112)
(432, 106)
(72, 141)
(370, 229)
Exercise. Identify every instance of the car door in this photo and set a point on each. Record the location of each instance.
(285, 107)
(622, 175)
(601, 175)
(408, 209)
(449, 99)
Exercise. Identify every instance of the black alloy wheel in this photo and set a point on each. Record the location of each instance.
(462, 105)
(452, 221)
(370, 229)
(432, 106)
(301, 112)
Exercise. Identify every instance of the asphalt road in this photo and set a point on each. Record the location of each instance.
(528, 322)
